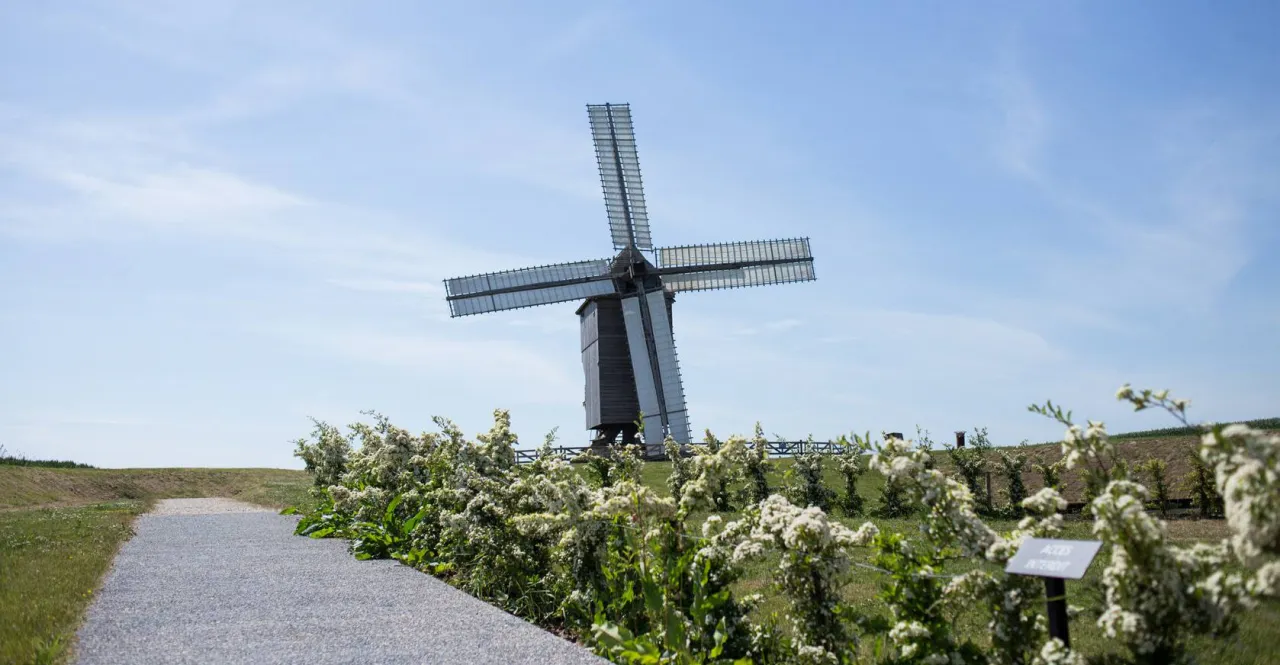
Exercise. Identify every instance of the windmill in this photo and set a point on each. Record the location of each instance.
(628, 350)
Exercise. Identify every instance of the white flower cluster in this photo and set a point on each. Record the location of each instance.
(807, 529)
(709, 468)
(910, 638)
(953, 522)
(1246, 465)
(326, 459)
(951, 517)
(816, 557)
(1089, 445)
(1056, 653)
(1157, 592)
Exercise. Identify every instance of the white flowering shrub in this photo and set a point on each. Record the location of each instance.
(603, 557)
(1155, 469)
(714, 466)
(852, 466)
(805, 485)
(755, 469)
(679, 466)
(1011, 465)
(1158, 593)
(972, 464)
(1200, 483)
(326, 459)
(1050, 474)
(816, 559)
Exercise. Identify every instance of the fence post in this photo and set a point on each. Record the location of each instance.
(1055, 591)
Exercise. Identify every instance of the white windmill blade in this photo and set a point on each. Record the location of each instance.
(642, 369)
(728, 254)
(668, 367)
(735, 264)
(615, 141)
(528, 287)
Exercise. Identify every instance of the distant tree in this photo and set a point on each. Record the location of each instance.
(719, 493)
(1050, 474)
(1155, 469)
(1011, 465)
(680, 467)
(970, 463)
(805, 480)
(757, 468)
(852, 466)
(894, 500)
(1200, 484)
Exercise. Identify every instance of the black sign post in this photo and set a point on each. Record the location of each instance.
(1056, 561)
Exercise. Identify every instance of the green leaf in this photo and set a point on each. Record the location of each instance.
(391, 509)
(321, 533)
(652, 596)
(413, 521)
(675, 629)
(611, 635)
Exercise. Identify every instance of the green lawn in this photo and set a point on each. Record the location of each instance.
(51, 561)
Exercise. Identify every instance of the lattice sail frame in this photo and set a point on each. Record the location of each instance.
(619, 163)
(735, 264)
(528, 287)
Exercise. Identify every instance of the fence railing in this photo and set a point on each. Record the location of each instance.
(775, 448)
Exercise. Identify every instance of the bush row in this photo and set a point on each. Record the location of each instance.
(609, 561)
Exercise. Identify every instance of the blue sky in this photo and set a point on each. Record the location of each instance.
(220, 218)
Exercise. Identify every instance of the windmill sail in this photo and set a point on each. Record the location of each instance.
(615, 141)
(735, 264)
(528, 287)
(668, 368)
(642, 368)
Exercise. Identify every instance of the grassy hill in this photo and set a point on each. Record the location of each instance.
(31, 486)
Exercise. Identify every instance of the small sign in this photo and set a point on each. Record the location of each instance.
(1047, 557)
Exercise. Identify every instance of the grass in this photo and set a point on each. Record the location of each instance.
(61, 527)
(51, 561)
(21, 460)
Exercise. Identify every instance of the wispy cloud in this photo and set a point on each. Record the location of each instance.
(1024, 122)
(505, 371)
(389, 286)
(1176, 244)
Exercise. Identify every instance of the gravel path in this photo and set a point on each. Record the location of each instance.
(220, 582)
